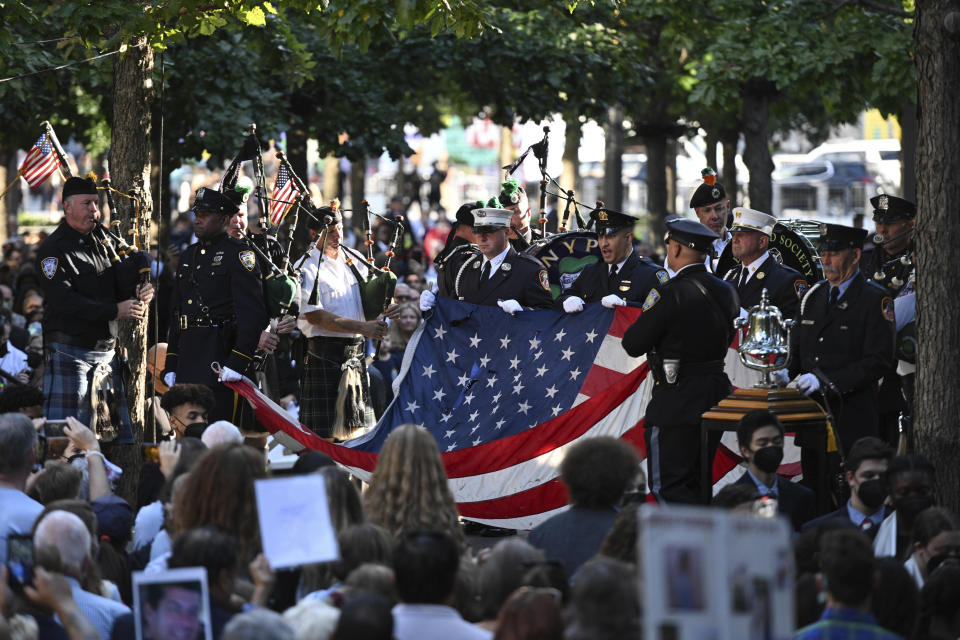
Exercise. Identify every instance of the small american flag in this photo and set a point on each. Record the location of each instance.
(283, 192)
(40, 162)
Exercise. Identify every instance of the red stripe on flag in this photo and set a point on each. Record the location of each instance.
(622, 319)
(600, 379)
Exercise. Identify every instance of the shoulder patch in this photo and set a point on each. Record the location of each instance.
(248, 259)
(49, 266)
(544, 280)
(662, 276)
(800, 287)
(652, 298)
(886, 308)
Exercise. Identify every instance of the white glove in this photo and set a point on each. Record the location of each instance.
(573, 304)
(806, 383)
(780, 376)
(170, 379)
(744, 314)
(509, 306)
(427, 300)
(610, 301)
(229, 375)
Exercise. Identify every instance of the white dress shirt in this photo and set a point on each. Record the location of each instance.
(495, 261)
(337, 291)
(753, 266)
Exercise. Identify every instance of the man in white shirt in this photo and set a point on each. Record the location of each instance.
(13, 361)
(425, 566)
(334, 392)
(18, 455)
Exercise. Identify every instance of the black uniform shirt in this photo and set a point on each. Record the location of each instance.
(633, 281)
(521, 277)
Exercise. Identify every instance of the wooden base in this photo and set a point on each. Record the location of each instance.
(789, 405)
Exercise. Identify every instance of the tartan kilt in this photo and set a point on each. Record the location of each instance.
(67, 378)
(318, 389)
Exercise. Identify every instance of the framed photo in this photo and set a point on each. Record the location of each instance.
(172, 605)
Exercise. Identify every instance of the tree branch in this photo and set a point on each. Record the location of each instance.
(875, 6)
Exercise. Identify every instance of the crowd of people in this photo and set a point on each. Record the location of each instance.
(886, 563)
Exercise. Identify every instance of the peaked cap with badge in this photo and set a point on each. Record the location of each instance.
(487, 219)
(888, 208)
(837, 237)
(745, 219)
(692, 234)
(608, 221)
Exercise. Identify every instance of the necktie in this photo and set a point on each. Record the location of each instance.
(867, 526)
(744, 274)
(613, 275)
(485, 273)
(834, 295)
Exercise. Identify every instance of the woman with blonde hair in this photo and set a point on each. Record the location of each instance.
(409, 490)
(402, 329)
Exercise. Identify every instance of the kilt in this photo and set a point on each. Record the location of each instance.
(67, 379)
(321, 379)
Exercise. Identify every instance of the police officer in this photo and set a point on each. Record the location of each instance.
(890, 263)
(494, 273)
(622, 276)
(219, 309)
(712, 207)
(86, 293)
(843, 341)
(758, 270)
(460, 238)
(685, 329)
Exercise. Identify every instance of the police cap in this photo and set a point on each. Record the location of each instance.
(609, 221)
(212, 200)
(891, 208)
(692, 234)
(488, 219)
(836, 237)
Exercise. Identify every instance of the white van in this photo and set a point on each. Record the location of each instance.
(882, 158)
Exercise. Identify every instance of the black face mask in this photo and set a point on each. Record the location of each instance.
(911, 506)
(872, 493)
(768, 459)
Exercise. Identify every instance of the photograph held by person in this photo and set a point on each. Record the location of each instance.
(218, 309)
(86, 294)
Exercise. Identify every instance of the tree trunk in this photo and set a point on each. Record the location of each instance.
(14, 198)
(296, 153)
(570, 173)
(729, 140)
(5, 176)
(506, 151)
(670, 173)
(908, 151)
(756, 153)
(130, 173)
(331, 179)
(358, 187)
(936, 41)
(657, 184)
(712, 140)
(613, 160)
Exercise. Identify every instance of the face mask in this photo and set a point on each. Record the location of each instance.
(911, 506)
(768, 459)
(872, 493)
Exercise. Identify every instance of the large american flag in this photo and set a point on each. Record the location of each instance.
(39, 162)
(505, 397)
(283, 193)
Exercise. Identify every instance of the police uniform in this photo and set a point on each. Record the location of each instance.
(631, 281)
(81, 289)
(895, 272)
(785, 286)
(685, 329)
(850, 341)
(218, 311)
(519, 276)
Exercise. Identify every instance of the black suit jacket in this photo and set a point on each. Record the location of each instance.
(632, 283)
(842, 517)
(785, 286)
(795, 501)
(852, 343)
(521, 277)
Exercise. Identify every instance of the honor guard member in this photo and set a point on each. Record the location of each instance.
(843, 341)
(622, 276)
(461, 238)
(219, 309)
(758, 269)
(712, 207)
(513, 198)
(85, 295)
(335, 390)
(891, 264)
(494, 273)
(685, 329)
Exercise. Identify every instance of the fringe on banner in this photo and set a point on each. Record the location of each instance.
(351, 408)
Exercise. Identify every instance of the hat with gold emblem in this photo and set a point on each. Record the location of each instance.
(609, 221)
(752, 220)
